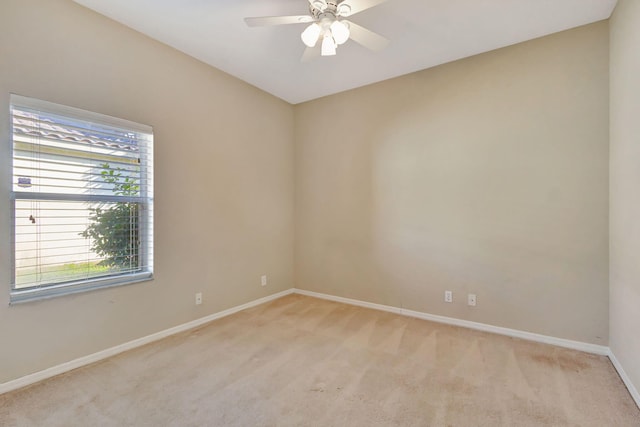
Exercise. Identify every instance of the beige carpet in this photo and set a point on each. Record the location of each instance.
(300, 361)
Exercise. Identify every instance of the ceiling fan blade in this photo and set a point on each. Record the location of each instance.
(263, 21)
(311, 53)
(358, 6)
(366, 38)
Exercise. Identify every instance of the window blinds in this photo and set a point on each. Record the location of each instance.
(82, 197)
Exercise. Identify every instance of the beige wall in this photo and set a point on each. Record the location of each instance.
(625, 187)
(488, 175)
(223, 170)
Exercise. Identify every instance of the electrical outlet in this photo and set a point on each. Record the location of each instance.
(471, 300)
(263, 280)
(199, 298)
(448, 296)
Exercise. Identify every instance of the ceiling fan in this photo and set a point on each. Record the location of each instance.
(328, 27)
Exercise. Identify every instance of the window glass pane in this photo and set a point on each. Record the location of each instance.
(61, 241)
(52, 155)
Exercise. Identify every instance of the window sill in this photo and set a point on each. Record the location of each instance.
(18, 296)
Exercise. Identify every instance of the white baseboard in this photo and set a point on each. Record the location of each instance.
(561, 342)
(349, 301)
(625, 378)
(95, 357)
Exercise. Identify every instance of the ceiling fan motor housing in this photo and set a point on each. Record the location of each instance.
(318, 8)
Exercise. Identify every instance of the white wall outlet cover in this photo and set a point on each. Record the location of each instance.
(199, 298)
(471, 300)
(448, 296)
(263, 280)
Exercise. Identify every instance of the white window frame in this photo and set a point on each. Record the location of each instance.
(145, 203)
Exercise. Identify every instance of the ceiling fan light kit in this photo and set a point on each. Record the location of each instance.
(328, 46)
(339, 32)
(327, 23)
(333, 33)
(311, 34)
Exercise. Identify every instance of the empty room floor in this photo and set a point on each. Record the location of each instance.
(300, 361)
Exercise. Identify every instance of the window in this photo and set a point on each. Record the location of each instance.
(82, 200)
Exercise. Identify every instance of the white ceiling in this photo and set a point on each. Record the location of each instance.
(423, 33)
